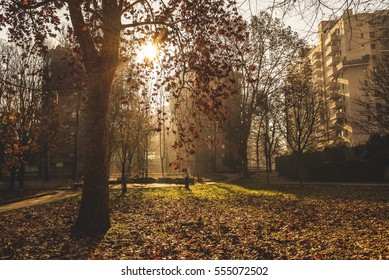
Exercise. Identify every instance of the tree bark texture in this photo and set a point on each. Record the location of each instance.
(94, 209)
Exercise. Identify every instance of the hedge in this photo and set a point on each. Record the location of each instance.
(367, 162)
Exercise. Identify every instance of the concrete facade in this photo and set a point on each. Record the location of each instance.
(347, 48)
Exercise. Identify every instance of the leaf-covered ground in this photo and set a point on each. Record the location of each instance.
(215, 221)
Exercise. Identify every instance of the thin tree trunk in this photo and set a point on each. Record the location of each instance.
(147, 157)
(270, 164)
(214, 148)
(300, 167)
(162, 150)
(21, 176)
(124, 169)
(75, 147)
(244, 160)
(257, 150)
(46, 161)
(12, 180)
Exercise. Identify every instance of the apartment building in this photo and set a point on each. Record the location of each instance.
(347, 48)
(216, 147)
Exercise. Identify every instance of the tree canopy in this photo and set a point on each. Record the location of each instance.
(190, 35)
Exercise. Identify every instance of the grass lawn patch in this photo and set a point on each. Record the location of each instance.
(211, 221)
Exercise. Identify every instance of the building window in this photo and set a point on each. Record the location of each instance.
(372, 46)
(362, 47)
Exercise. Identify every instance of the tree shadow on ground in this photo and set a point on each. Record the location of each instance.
(80, 245)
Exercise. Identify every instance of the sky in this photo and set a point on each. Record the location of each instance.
(305, 15)
(306, 27)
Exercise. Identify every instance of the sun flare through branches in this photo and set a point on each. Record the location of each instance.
(147, 52)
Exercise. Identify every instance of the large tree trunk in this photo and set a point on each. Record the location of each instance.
(100, 66)
(94, 209)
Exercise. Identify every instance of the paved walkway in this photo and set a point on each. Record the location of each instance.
(44, 197)
(51, 196)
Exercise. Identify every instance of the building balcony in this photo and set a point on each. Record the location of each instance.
(331, 85)
(318, 82)
(339, 66)
(316, 61)
(343, 81)
(345, 139)
(331, 72)
(318, 72)
(332, 61)
(384, 47)
(348, 128)
(335, 104)
(316, 52)
(334, 95)
(332, 49)
(338, 127)
(357, 62)
(337, 117)
(331, 38)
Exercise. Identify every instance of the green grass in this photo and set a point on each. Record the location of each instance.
(322, 191)
(215, 191)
